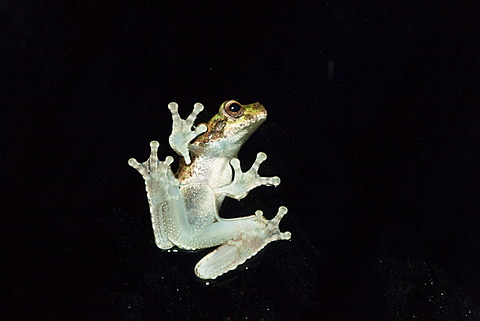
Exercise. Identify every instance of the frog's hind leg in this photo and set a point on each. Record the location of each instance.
(235, 252)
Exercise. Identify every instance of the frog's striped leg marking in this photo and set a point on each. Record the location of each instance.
(182, 133)
(244, 182)
(249, 242)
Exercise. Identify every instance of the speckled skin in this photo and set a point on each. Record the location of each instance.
(184, 208)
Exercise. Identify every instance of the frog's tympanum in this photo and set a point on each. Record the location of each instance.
(184, 207)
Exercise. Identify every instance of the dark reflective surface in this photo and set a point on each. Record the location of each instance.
(373, 126)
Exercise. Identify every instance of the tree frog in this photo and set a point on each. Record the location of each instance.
(184, 207)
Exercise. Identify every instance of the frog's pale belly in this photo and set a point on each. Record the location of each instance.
(184, 210)
(213, 171)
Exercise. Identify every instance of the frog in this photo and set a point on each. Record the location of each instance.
(185, 206)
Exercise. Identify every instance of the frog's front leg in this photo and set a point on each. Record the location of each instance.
(245, 182)
(246, 237)
(182, 133)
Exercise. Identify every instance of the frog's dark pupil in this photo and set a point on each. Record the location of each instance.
(234, 108)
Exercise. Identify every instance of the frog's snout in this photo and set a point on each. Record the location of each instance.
(260, 109)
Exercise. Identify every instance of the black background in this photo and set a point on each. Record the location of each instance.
(373, 127)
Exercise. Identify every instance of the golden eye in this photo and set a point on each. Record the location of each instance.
(233, 109)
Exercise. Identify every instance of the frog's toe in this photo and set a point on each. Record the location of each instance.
(282, 211)
(173, 107)
(133, 162)
(139, 167)
(261, 157)
(273, 226)
(200, 129)
(269, 181)
(197, 109)
(154, 146)
(276, 181)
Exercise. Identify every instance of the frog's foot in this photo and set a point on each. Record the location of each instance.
(182, 133)
(245, 182)
(153, 168)
(235, 252)
(273, 225)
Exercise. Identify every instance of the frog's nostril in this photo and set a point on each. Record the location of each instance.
(258, 106)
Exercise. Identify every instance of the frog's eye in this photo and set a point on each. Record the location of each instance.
(233, 109)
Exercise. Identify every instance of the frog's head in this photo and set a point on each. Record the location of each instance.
(231, 127)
